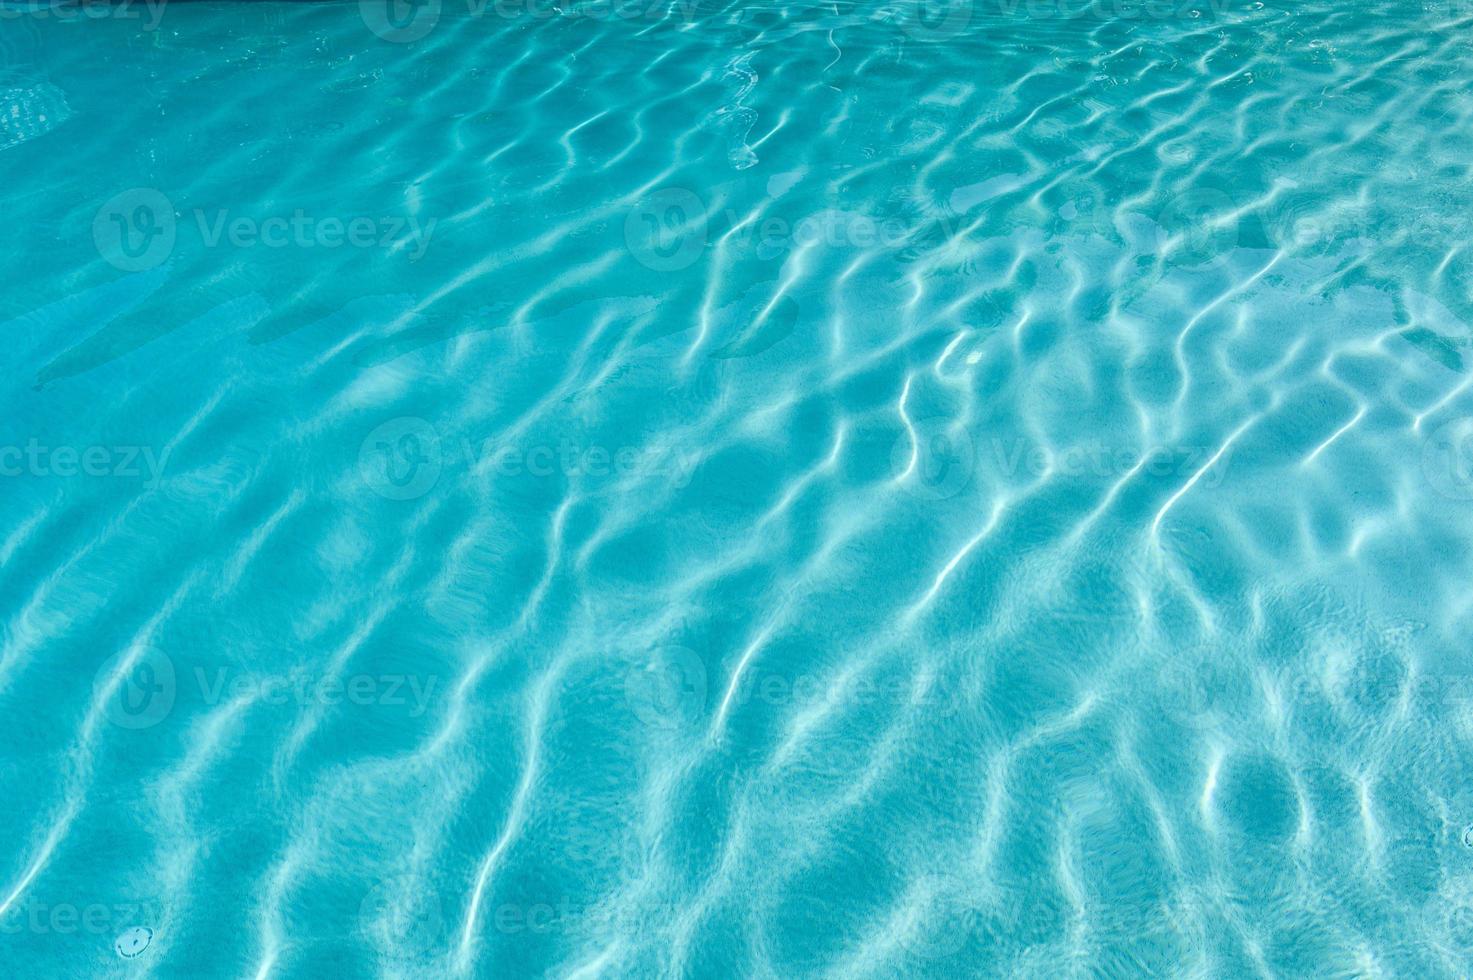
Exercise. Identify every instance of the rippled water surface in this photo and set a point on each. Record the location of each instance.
(719, 488)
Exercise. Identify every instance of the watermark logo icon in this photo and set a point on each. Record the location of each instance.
(1459, 924)
(1197, 690)
(400, 21)
(1199, 226)
(669, 690)
(401, 459)
(403, 917)
(936, 20)
(137, 687)
(135, 230)
(1447, 459)
(945, 921)
(666, 232)
(933, 460)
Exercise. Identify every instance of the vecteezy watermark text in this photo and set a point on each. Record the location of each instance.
(363, 690)
(68, 918)
(40, 460)
(1112, 10)
(403, 458)
(139, 228)
(407, 21)
(139, 687)
(943, 20)
(1098, 459)
(149, 12)
(936, 459)
(670, 688)
(670, 228)
(302, 230)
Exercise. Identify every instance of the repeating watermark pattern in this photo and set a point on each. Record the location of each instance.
(541, 918)
(1303, 226)
(1447, 459)
(139, 687)
(805, 691)
(403, 918)
(139, 229)
(667, 230)
(411, 691)
(1203, 691)
(1448, 690)
(571, 458)
(303, 230)
(400, 21)
(1198, 227)
(944, 20)
(1199, 689)
(1458, 922)
(1097, 459)
(148, 13)
(136, 229)
(670, 229)
(934, 459)
(565, 915)
(669, 690)
(776, 236)
(935, 20)
(407, 21)
(38, 459)
(1308, 225)
(403, 459)
(95, 918)
(1107, 10)
(945, 922)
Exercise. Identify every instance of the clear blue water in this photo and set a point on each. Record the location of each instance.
(736, 489)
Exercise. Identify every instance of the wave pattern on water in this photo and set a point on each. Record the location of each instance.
(722, 489)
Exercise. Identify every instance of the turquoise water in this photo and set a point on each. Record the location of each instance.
(734, 489)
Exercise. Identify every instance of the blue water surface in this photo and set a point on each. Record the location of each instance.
(728, 488)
